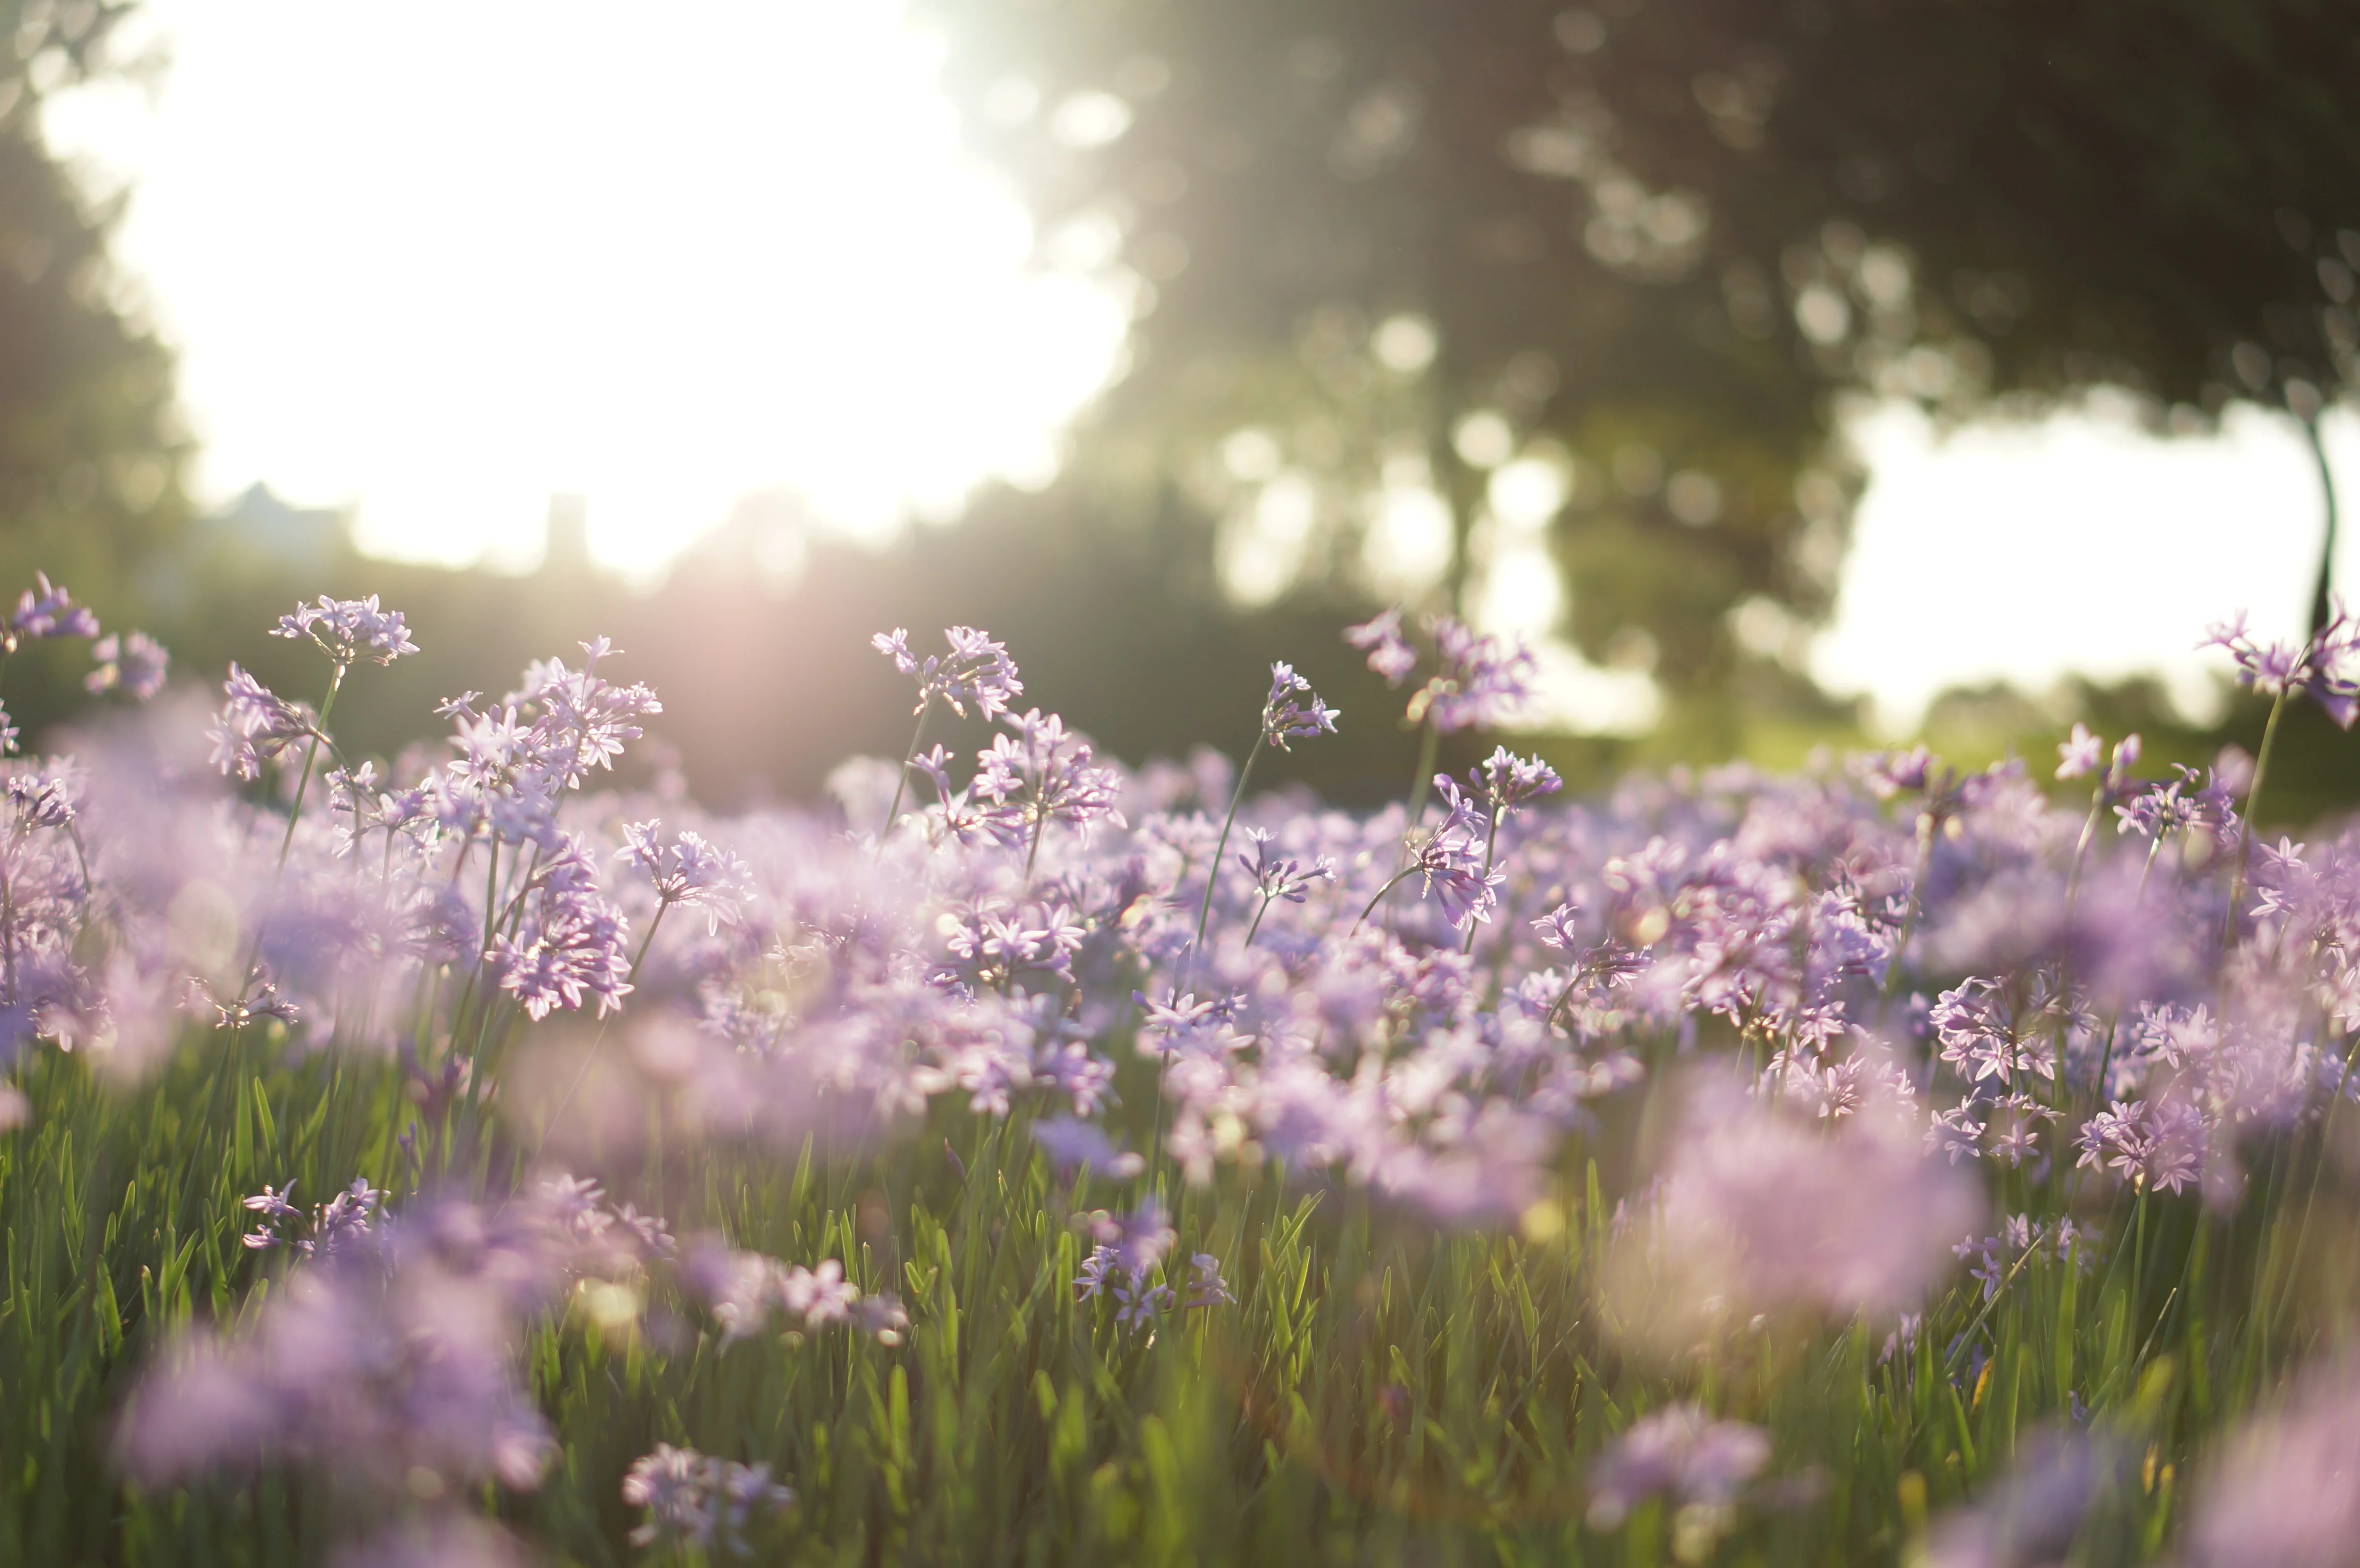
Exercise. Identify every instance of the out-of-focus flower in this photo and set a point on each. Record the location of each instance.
(342, 1218)
(133, 662)
(2032, 1516)
(1205, 1286)
(695, 1501)
(742, 1289)
(1478, 681)
(1681, 1453)
(1760, 1210)
(49, 613)
(689, 871)
(444, 1539)
(1084, 1146)
(1390, 654)
(1284, 716)
(2284, 1490)
(2325, 665)
(255, 725)
(977, 670)
(2080, 753)
(391, 1358)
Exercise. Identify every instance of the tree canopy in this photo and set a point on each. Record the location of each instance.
(1396, 241)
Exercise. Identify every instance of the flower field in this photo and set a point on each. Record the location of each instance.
(460, 1157)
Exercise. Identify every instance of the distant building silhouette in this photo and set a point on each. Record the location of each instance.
(260, 525)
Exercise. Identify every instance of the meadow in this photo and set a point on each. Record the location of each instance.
(462, 1159)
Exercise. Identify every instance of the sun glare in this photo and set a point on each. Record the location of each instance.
(440, 261)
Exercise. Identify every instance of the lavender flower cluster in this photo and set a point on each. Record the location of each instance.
(1881, 989)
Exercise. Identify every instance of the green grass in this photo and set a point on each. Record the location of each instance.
(1380, 1393)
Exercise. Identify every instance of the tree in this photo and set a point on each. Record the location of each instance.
(1656, 239)
(91, 448)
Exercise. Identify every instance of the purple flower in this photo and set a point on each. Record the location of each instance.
(2158, 1146)
(696, 1501)
(1042, 775)
(1084, 1146)
(2080, 754)
(2324, 666)
(2034, 1514)
(1681, 1453)
(688, 871)
(1763, 1212)
(1508, 781)
(1277, 876)
(1205, 1286)
(1479, 682)
(1284, 718)
(255, 725)
(1390, 654)
(50, 613)
(2284, 1490)
(135, 662)
(349, 629)
(2190, 801)
(391, 1357)
(977, 670)
(570, 943)
(1451, 861)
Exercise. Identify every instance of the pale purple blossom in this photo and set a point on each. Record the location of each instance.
(689, 871)
(1508, 781)
(1284, 718)
(132, 663)
(1480, 681)
(49, 613)
(349, 629)
(1679, 1453)
(2324, 666)
(977, 671)
(696, 1500)
(1390, 654)
(255, 725)
(2283, 1491)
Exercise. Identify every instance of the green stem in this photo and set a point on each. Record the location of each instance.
(310, 756)
(1266, 902)
(1422, 781)
(2252, 803)
(287, 840)
(2081, 846)
(1926, 830)
(592, 1054)
(1366, 909)
(1491, 837)
(1221, 847)
(901, 781)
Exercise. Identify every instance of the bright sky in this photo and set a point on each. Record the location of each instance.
(438, 261)
(443, 259)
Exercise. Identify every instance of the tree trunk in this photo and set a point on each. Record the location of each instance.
(2322, 605)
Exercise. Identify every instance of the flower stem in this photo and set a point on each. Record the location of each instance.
(2253, 803)
(902, 779)
(1213, 872)
(1491, 838)
(1422, 781)
(1370, 906)
(1267, 900)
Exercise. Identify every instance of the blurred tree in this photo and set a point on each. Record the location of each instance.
(1383, 248)
(89, 445)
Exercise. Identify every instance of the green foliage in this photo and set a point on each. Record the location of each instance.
(1379, 1392)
